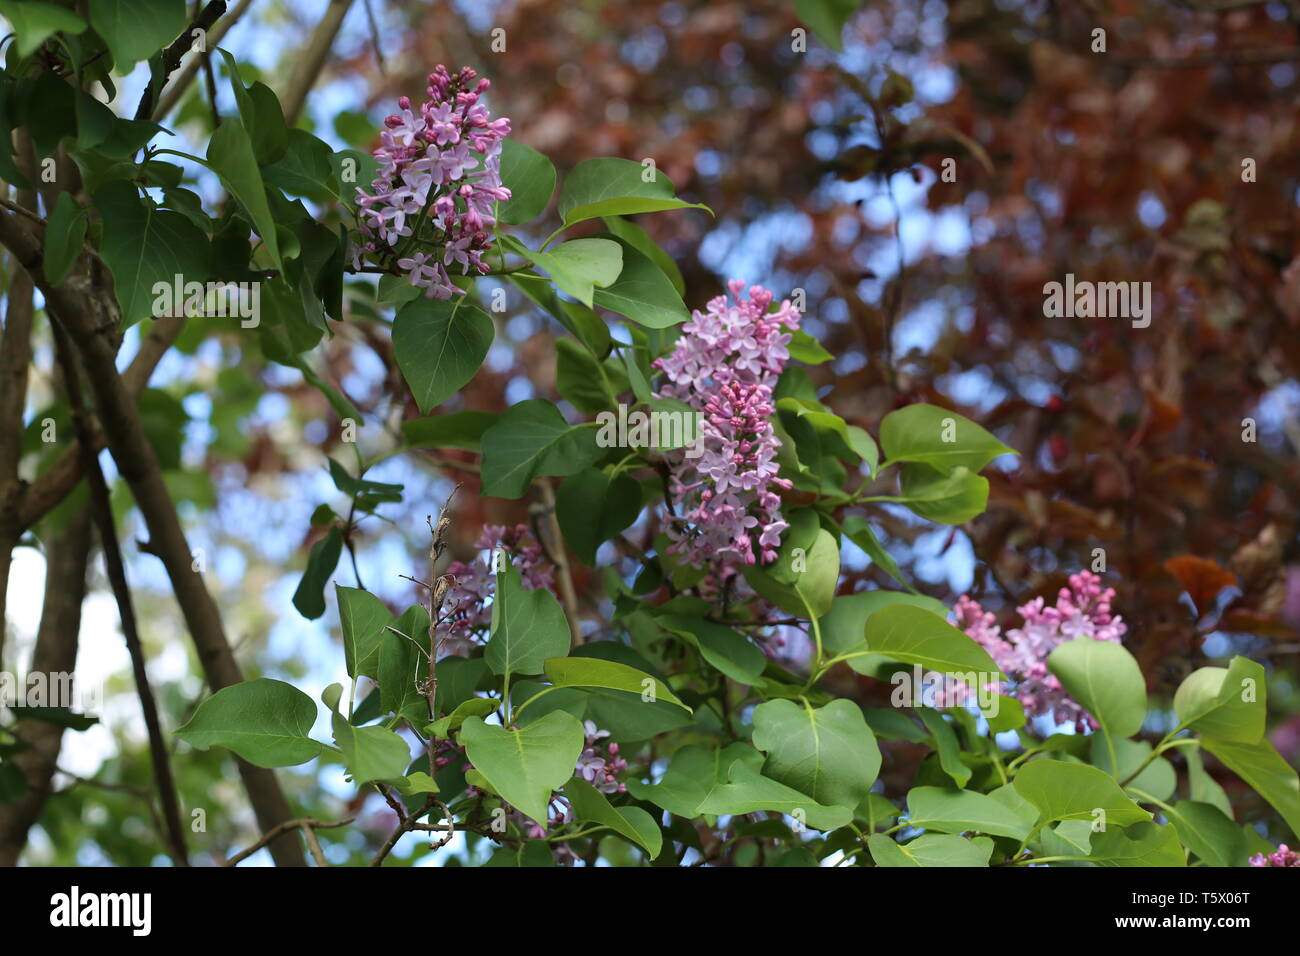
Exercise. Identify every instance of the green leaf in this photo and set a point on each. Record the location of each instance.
(804, 348)
(59, 716)
(1228, 704)
(532, 439)
(453, 430)
(530, 177)
(616, 187)
(64, 234)
(692, 775)
(525, 766)
(642, 293)
(826, 18)
(1261, 766)
(942, 497)
(1143, 844)
(309, 598)
(474, 707)
(418, 782)
(611, 675)
(936, 436)
(231, 156)
(593, 506)
(723, 649)
(1209, 834)
(633, 823)
(589, 385)
(914, 635)
(1158, 779)
(830, 436)
(305, 169)
(828, 753)
(265, 721)
(1202, 787)
(748, 791)
(370, 753)
(945, 741)
(34, 22)
(1074, 791)
(261, 114)
(528, 627)
(136, 29)
(856, 529)
(144, 245)
(364, 618)
(401, 665)
(954, 811)
(844, 625)
(640, 240)
(815, 574)
(530, 853)
(440, 345)
(931, 849)
(579, 265)
(458, 679)
(1106, 680)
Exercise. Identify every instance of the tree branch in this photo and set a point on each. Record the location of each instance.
(171, 58)
(173, 833)
(56, 482)
(55, 653)
(306, 824)
(173, 93)
(90, 316)
(312, 60)
(553, 542)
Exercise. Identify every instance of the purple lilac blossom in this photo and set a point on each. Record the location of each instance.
(600, 771)
(1082, 610)
(439, 165)
(725, 365)
(1283, 856)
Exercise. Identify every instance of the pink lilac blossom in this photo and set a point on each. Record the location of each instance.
(438, 182)
(1082, 610)
(600, 771)
(1281, 857)
(725, 366)
(468, 609)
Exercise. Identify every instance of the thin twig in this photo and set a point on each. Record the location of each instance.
(280, 829)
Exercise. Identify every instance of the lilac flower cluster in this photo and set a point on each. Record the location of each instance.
(1081, 610)
(725, 365)
(600, 771)
(1281, 857)
(468, 611)
(440, 166)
